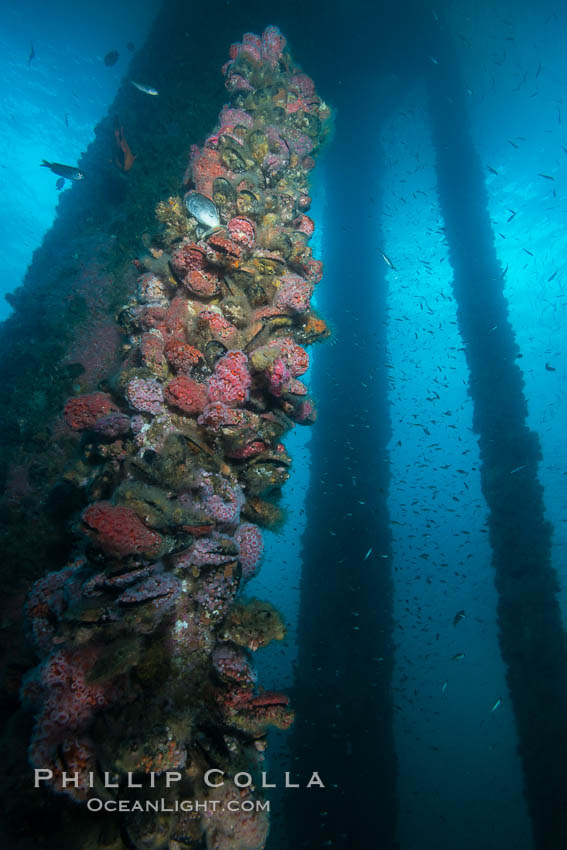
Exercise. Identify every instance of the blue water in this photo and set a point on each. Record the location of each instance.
(512, 74)
(49, 106)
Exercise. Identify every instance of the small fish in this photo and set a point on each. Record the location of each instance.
(60, 183)
(512, 216)
(496, 705)
(368, 554)
(111, 58)
(123, 158)
(387, 260)
(492, 170)
(66, 171)
(458, 656)
(514, 145)
(549, 279)
(444, 686)
(517, 469)
(433, 59)
(545, 176)
(31, 57)
(66, 119)
(460, 615)
(550, 368)
(145, 89)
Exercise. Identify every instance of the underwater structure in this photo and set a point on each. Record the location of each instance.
(533, 641)
(348, 538)
(175, 344)
(145, 642)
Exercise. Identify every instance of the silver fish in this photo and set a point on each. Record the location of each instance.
(203, 209)
(69, 172)
(387, 260)
(145, 89)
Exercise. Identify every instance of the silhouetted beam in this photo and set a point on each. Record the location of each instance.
(532, 638)
(343, 695)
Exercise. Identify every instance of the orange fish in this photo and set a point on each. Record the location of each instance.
(124, 158)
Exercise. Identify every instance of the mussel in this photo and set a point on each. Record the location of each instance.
(203, 209)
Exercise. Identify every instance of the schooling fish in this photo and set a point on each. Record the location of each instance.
(145, 89)
(387, 260)
(66, 171)
(460, 615)
(60, 183)
(32, 54)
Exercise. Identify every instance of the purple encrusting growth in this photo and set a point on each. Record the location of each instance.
(145, 642)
